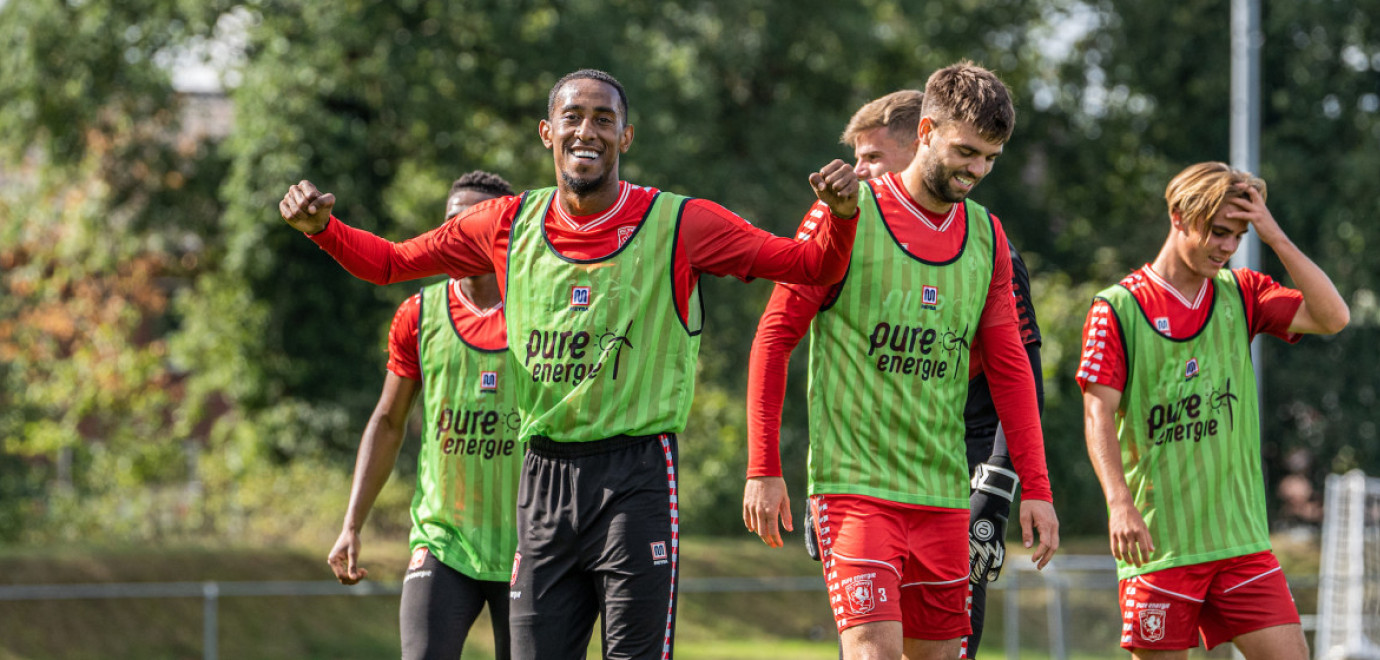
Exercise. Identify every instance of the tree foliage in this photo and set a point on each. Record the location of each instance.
(167, 343)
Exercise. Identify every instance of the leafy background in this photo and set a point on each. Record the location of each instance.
(177, 364)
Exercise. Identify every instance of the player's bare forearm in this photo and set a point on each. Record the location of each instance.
(1099, 427)
(1128, 537)
(378, 447)
(1323, 311)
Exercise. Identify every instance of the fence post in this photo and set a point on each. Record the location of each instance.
(210, 592)
(1058, 592)
(1011, 612)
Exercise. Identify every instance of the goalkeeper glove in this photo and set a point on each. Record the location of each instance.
(811, 537)
(994, 485)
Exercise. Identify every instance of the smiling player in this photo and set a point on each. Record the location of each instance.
(599, 283)
(1173, 426)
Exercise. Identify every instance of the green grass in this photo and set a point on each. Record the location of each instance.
(710, 626)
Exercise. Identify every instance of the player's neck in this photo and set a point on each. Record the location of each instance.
(1172, 269)
(592, 202)
(913, 178)
(482, 291)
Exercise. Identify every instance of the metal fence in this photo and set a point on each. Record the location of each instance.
(1065, 575)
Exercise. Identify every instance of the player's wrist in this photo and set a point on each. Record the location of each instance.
(320, 230)
(996, 480)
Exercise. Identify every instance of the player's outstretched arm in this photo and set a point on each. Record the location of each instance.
(1323, 310)
(307, 209)
(1129, 536)
(765, 504)
(378, 451)
(836, 184)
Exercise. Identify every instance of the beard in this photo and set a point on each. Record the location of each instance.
(937, 179)
(582, 186)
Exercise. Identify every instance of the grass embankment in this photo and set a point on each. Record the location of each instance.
(718, 626)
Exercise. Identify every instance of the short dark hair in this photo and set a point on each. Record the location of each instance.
(483, 182)
(897, 112)
(970, 93)
(588, 74)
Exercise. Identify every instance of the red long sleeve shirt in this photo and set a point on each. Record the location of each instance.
(997, 347)
(711, 240)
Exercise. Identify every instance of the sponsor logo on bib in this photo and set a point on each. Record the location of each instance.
(579, 297)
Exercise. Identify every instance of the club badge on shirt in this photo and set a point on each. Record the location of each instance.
(929, 296)
(1191, 368)
(488, 381)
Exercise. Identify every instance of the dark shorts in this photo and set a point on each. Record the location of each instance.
(598, 536)
(439, 604)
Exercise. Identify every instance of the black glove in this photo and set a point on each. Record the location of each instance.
(994, 485)
(811, 538)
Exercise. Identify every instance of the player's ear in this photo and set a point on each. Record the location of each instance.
(544, 130)
(625, 141)
(923, 130)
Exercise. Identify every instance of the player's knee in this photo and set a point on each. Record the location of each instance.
(878, 640)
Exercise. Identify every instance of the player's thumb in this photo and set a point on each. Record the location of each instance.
(1027, 531)
(323, 202)
(786, 519)
(817, 181)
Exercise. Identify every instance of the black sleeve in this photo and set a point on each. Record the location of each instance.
(1029, 326)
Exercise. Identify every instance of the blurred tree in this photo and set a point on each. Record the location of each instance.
(1144, 93)
(153, 302)
(103, 202)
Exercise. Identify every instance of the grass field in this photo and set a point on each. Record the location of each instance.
(711, 626)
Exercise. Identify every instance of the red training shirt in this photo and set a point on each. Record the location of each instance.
(997, 345)
(711, 240)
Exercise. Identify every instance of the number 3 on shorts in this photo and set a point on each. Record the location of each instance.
(881, 594)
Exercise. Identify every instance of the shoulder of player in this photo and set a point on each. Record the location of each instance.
(407, 315)
(1253, 282)
(411, 306)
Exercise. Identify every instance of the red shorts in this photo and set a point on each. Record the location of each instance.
(1168, 609)
(885, 561)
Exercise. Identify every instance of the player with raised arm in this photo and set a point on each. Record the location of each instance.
(448, 344)
(599, 282)
(1173, 426)
(928, 289)
(882, 134)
